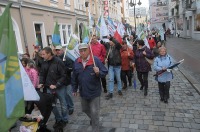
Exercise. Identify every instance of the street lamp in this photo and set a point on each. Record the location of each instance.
(133, 3)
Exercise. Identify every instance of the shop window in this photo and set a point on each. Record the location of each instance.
(197, 22)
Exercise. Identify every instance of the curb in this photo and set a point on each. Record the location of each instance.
(192, 81)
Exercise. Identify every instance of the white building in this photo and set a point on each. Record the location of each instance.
(184, 16)
(158, 10)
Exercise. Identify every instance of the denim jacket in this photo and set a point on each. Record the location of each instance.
(159, 63)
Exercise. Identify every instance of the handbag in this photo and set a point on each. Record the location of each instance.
(150, 61)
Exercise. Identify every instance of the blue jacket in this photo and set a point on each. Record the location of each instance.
(159, 63)
(86, 80)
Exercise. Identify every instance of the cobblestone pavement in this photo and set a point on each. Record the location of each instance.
(188, 49)
(135, 113)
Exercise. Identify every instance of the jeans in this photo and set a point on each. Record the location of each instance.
(92, 108)
(69, 99)
(61, 95)
(114, 71)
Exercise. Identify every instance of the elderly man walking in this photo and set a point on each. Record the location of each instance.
(86, 77)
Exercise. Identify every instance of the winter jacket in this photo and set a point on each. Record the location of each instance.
(152, 43)
(86, 80)
(159, 63)
(99, 51)
(126, 59)
(114, 58)
(68, 68)
(33, 75)
(141, 63)
(53, 72)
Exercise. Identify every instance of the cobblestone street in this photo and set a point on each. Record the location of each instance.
(135, 113)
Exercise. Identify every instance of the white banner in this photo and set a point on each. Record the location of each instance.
(30, 93)
(72, 48)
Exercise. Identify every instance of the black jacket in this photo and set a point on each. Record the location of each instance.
(53, 72)
(68, 67)
(114, 58)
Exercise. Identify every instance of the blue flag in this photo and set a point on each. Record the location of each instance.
(11, 90)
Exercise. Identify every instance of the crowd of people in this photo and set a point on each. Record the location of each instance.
(57, 77)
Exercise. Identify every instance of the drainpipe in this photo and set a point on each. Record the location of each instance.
(23, 27)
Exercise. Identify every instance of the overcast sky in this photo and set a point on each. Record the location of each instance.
(145, 3)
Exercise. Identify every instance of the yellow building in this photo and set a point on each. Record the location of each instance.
(34, 20)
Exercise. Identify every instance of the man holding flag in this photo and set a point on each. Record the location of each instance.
(87, 72)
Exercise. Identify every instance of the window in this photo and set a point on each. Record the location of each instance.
(65, 33)
(64, 36)
(197, 22)
(38, 35)
(67, 2)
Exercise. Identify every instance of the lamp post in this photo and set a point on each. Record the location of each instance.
(133, 3)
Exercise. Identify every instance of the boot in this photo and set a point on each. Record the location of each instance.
(109, 96)
(145, 92)
(105, 90)
(125, 86)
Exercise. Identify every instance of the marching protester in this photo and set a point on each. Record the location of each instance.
(87, 72)
(142, 65)
(162, 62)
(99, 51)
(53, 77)
(156, 49)
(68, 69)
(152, 43)
(127, 56)
(114, 63)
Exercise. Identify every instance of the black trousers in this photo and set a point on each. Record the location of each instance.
(164, 89)
(143, 78)
(124, 75)
(103, 81)
(45, 106)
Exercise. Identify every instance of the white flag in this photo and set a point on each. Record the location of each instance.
(30, 93)
(103, 28)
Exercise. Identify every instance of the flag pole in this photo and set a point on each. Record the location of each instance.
(66, 49)
(93, 32)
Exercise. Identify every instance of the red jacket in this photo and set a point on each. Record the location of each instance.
(99, 51)
(126, 59)
(152, 43)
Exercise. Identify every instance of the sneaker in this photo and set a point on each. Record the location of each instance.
(161, 99)
(109, 96)
(141, 88)
(165, 101)
(71, 111)
(120, 92)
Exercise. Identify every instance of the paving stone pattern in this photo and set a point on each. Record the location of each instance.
(135, 113)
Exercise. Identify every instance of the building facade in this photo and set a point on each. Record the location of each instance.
(158, 11)
(34, 20)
